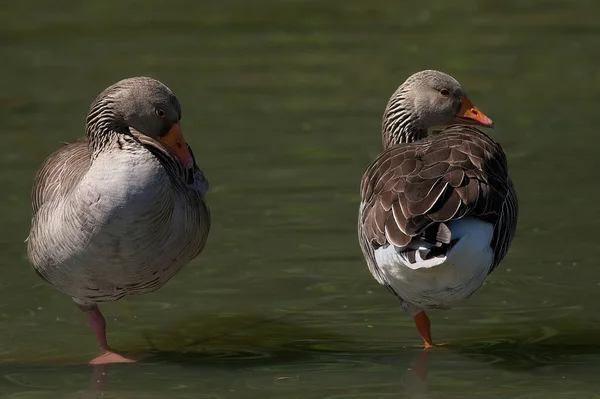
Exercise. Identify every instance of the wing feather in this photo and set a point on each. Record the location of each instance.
(457, 173)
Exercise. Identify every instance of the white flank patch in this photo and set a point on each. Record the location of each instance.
(445, 281)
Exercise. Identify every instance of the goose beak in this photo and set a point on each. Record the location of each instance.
(174, 141)
(470, 115)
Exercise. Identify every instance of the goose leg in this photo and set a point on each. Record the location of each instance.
(424, 326)
(98, 325)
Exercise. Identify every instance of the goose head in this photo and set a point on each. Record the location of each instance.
(425, 100)
(139, 105)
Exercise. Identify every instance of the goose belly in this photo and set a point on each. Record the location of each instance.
(441, 282)
(132, 253)
(121, 233)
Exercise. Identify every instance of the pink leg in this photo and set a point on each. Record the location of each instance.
(98, 325)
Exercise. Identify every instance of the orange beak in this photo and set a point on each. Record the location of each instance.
(470, 115)
(174, 141)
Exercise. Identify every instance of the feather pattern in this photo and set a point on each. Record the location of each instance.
(410, 187)
(115, 213)
(414, 192)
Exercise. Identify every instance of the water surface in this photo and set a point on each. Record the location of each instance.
(282, 103)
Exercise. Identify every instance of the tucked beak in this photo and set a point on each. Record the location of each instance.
(470, 115)
(174, 141)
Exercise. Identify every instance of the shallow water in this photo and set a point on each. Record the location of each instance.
(282, 103)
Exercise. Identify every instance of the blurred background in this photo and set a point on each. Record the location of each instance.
(282, 104)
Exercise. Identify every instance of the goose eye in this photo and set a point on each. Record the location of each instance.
(445, 92)
(159, 112)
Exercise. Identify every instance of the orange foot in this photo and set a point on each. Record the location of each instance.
(113, 357)
(424, 326)
(429, 345)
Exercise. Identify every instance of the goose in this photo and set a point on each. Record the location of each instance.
(438, 209)
(122, 210)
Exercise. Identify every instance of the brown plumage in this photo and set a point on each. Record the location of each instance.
(411, 187)
(54, 179)
(438, 211)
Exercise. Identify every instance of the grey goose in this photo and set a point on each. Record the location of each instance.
(122, 210)
(438, 209)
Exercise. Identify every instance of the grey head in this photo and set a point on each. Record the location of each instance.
(140, 104)
(430, 98)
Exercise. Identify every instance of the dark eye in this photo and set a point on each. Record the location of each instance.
(445, 92)
(159, 112)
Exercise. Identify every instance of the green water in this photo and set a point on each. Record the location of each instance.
(282, 103)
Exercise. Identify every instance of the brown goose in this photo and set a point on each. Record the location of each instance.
(438, 211)
(121, 211)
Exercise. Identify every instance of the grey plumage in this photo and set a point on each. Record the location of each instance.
(116, 213)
